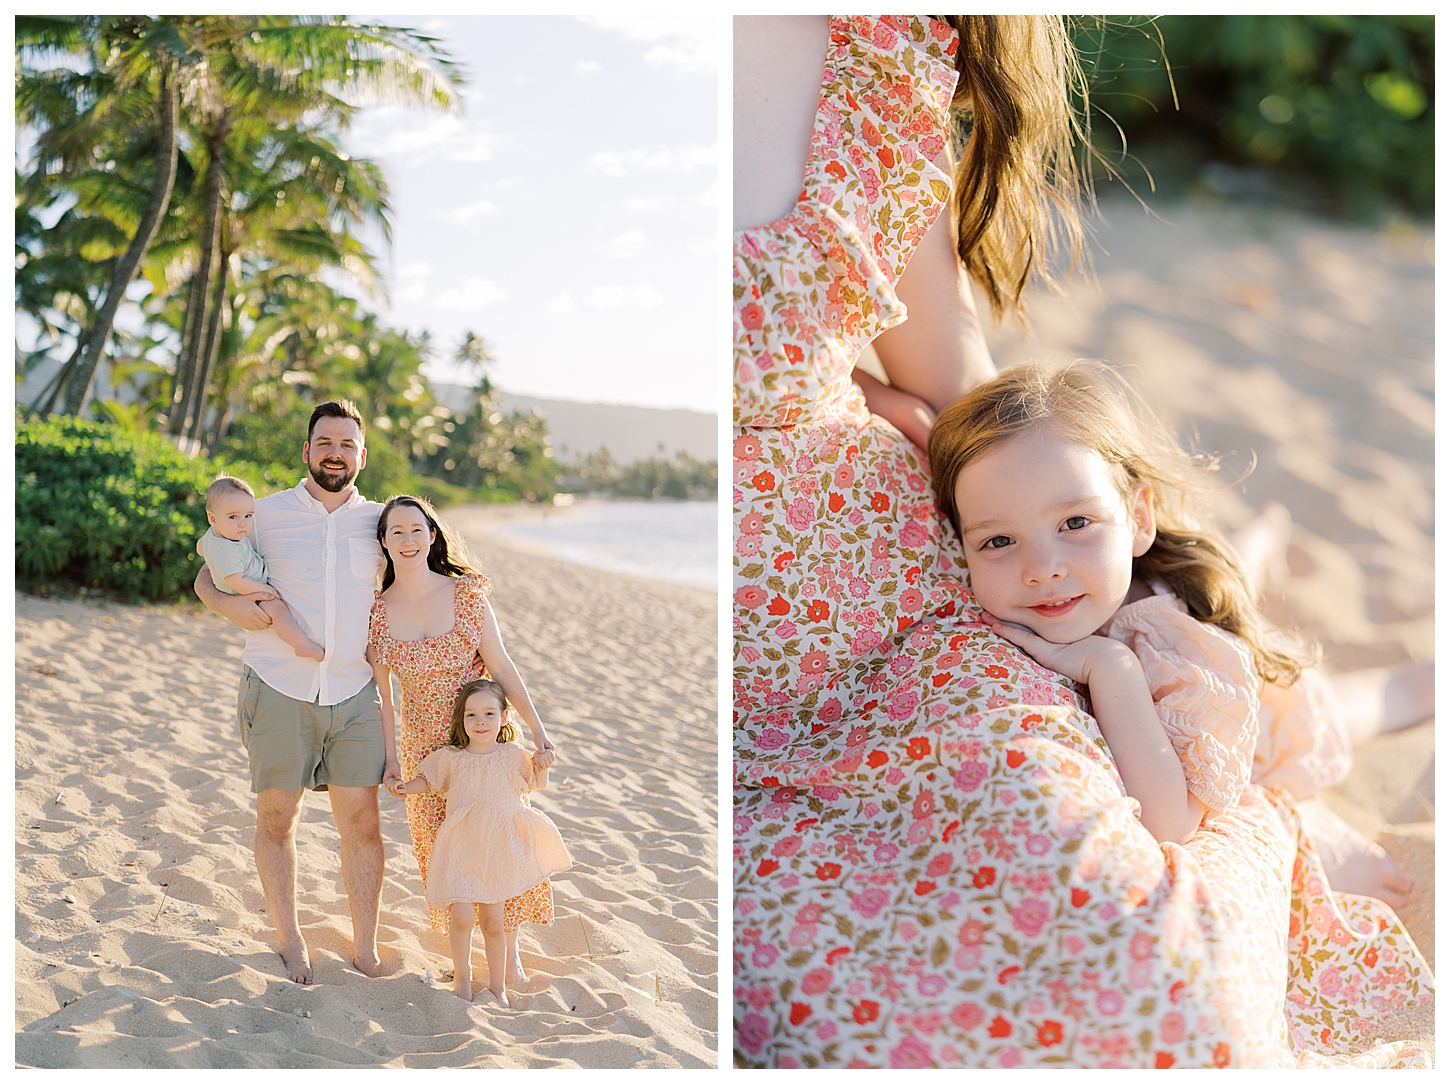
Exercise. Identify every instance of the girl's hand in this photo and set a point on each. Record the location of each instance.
(393, 777)
(1075, 660)
(544, 760)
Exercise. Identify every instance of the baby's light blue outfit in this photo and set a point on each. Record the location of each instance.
(226, 558)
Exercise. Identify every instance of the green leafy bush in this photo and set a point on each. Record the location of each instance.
(110, 509)
(1341, 106)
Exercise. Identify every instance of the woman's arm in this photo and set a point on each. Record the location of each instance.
(502, 669)
(1128, 718)
(383, 677)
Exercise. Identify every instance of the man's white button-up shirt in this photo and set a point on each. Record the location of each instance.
(326, 568)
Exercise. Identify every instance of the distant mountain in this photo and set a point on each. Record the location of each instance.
(630, 433)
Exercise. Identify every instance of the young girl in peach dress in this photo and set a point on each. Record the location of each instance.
(493, 846)
(433, 627)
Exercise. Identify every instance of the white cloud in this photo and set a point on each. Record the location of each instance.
(710, 197)
(562, 305)
(587, 67)
(643, 296)
(627, 245)
(393, 131)
(689, 43)
(418, 270)
(671, 159)
(652, 203)
(480, 209)
(474, 294)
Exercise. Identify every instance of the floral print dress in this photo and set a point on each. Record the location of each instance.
(935, 861)
(431, 672)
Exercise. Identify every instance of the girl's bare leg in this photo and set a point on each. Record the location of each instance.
(286, 626)
(515, 965)
(460, 940)
(490, 917)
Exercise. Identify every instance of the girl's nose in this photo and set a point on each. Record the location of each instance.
(1041, 564)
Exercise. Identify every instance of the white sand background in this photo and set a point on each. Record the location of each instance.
(141, 933)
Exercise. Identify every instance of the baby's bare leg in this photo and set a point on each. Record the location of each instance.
(460, 940)
(286, 626)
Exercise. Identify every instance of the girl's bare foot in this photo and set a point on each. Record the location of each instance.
(463, 988)
(1353, 862)
(503, 998)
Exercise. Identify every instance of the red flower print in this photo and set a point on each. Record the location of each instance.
(1372, 957)
(764, 481)
(924, 805)
(1080, 896)
(887, 158)
(878, 758)
(783, 559)
(1049, 1033)
(752, 316)
(828, 871)
(813, 662)
(967, 1016)
(917, 748)
(1163, 1060)
(996, 671)
(751, 597)
(830, 711)
(1220, 1056)
(984, 876)
(836, 954)
(800, 1012)
(866, 1011)
(1294, 928)
(924, 888)
(939, 865)
(1176, 991)
(999, 1028)
(836, 170)
(1007, 974)
(880, 502)
(1325, 1036)
(767, 866)
(950, 831)
(794, 354)
(818, 610)
(1015, 757)
(836, 502)
(779, 607)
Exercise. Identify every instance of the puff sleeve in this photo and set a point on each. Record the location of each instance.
(471, 605)
(378, 630)
(1206, 689)
(436, 768)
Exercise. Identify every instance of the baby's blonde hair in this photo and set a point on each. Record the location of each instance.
(226, 484)
(1089, 403)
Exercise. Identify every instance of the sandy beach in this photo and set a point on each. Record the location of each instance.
(141, 934)
(1310, 345)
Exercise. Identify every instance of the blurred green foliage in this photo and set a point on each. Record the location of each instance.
(1339, 108)
(682, 478)
(106, 508)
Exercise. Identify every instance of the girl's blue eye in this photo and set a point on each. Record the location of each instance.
(997, 542)
(1076, 523)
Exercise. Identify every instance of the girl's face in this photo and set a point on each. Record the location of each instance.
(1048, 538)
(407, 537)
(482, 718)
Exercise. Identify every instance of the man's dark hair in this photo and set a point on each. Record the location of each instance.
(335, 408)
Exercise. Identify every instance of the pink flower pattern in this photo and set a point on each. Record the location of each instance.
(935, 863)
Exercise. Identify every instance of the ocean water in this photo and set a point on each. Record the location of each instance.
(673, 541)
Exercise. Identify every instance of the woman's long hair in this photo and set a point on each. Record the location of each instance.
(447, 555)
(1090, 404)
(1020, 106)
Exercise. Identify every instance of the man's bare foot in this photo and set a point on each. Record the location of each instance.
(464, 988)
(1353, 862)
(503, 998)
(310, 650)
(297, 963)
(369, 965)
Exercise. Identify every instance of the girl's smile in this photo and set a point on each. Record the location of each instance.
(482, 718)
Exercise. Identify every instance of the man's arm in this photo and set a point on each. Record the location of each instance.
(240, 610)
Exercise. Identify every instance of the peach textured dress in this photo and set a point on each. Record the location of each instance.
(935, 861)
(493, 845)
(431, 672)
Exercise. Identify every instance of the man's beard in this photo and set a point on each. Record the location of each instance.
(335, 483)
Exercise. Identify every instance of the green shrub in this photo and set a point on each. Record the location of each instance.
(110, 509)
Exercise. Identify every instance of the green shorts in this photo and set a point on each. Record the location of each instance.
(294, 746)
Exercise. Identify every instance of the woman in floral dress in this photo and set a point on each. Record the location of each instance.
(432, 626)
(935, 860)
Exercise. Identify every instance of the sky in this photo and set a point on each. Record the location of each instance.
(569, 213)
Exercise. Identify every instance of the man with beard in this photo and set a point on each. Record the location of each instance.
(308, 724)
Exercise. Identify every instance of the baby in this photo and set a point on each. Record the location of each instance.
(236, 566)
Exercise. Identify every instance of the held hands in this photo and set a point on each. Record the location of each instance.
(544, 759)
(393, 778)
(1076, 660)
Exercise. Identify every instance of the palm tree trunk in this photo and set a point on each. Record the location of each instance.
(184, 393)
(194, 426)
(79, 388)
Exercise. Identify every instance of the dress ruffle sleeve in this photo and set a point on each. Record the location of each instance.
(378, 638)
(435, 768)
(871, 191)
(1206, 689)
(471, 605)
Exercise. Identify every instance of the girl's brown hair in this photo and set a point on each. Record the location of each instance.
(457, 735)
(1090, 404)
(1017, 184)
(447, 555)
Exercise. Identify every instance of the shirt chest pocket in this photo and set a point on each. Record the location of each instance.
(366, 558)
